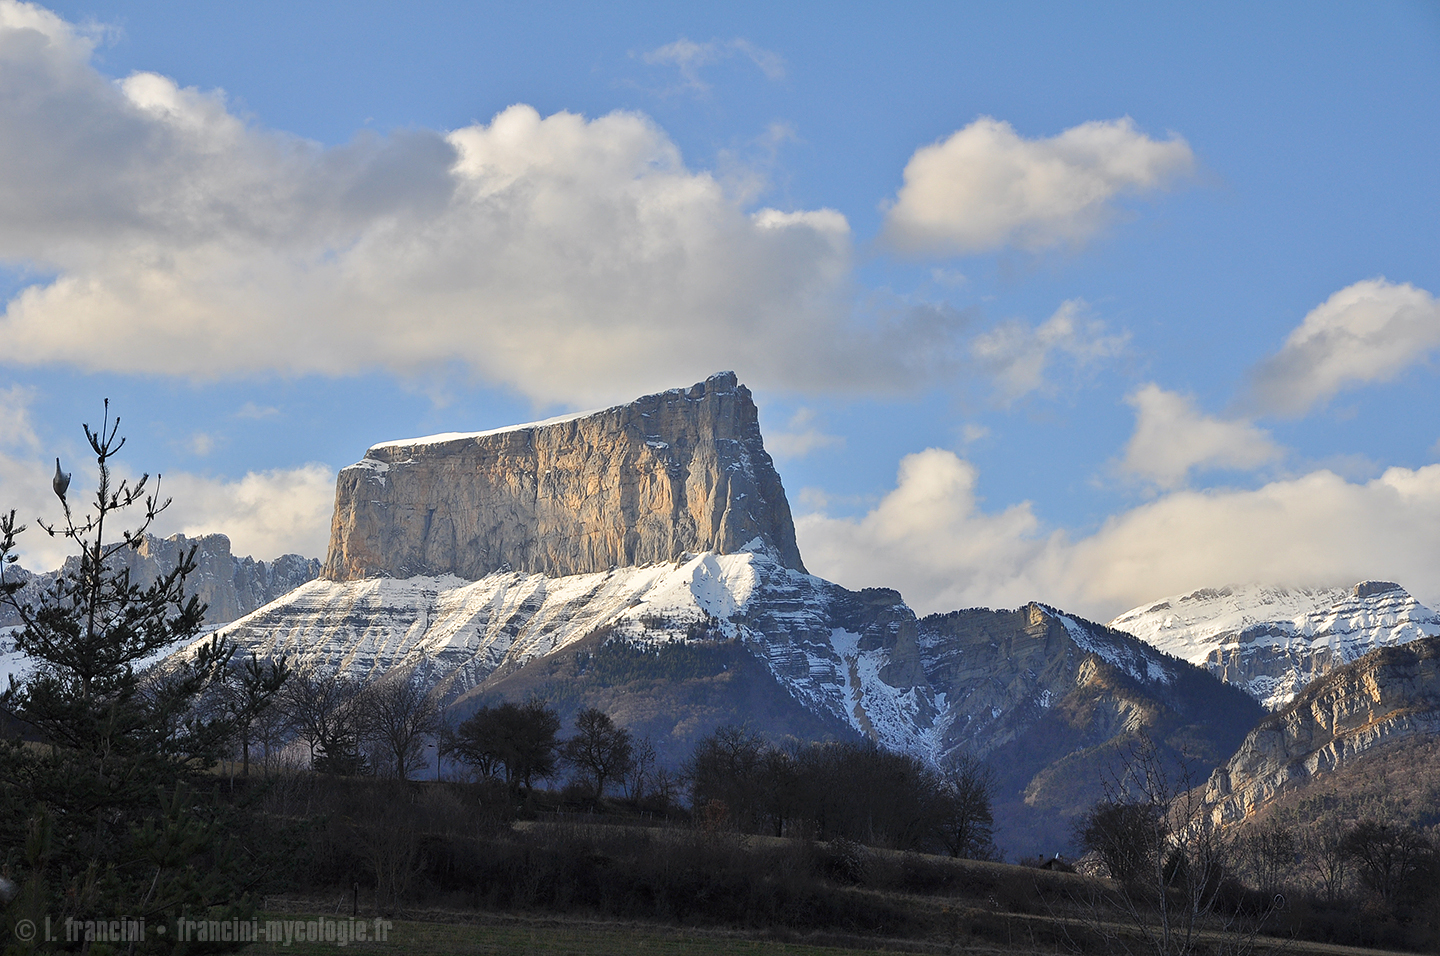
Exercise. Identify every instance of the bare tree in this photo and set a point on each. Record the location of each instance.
(1169, 866)
(323, 708)
(273, 729)
(1323, 849)
(642, 767)
(398, 715)
(966, 794)
(1268, 852)
(251, 689)
(1388, 857)
(599, 750)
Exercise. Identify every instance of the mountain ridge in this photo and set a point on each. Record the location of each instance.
(1273, 641)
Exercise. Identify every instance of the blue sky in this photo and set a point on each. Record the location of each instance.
(1038, 300)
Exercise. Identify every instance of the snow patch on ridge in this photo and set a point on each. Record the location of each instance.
(454, 633)
(1137, 664)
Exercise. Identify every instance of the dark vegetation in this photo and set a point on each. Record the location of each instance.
(209, 785)
(1322, 878)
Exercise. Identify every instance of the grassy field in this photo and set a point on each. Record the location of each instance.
(464, 934)
(571, 938)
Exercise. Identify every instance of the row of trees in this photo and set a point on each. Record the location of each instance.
(1143, 838)
(348, 727)
(853, 791)
(738, 780)
(520, 743)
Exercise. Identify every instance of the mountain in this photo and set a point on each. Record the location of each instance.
(676, 472)
(661, 582)
(1386, 702)
(1272, 641)
(231, 586)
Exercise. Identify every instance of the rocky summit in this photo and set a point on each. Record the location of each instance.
(683, 471)
(229, 585)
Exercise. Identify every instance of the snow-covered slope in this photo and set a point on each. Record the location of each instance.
(1272, 641)
(454, 634)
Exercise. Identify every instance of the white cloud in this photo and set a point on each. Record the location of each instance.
(985, 187)
(202, 444)
(930, 539)
(25, 473)
(1172, 437)
(576, 260)
(800, 437)
(265, 514)
(1367, 332)
(689, 57)
(257, 412)
(1018, 357)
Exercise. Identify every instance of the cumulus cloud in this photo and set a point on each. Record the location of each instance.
(577, 260)
(265, 514)
(986, 187)
(16, 429)
(1018, 358)
(930, 538)
(1367, 332)
(1172, 437)
(23, 475)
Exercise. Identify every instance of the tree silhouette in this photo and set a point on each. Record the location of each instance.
(516, 738)
(599, 750)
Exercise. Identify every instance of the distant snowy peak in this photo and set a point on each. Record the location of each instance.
(1272, 641)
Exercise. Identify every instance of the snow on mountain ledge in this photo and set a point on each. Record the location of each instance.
(1272, 641)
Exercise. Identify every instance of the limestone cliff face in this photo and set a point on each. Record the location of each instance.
(1386, 696)
(680, 471)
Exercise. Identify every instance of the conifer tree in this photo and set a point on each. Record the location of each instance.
(99, 815)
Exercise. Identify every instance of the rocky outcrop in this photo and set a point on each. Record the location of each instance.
(230, 586)
(1385, 697)
(1272, 641)
(683, 471)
